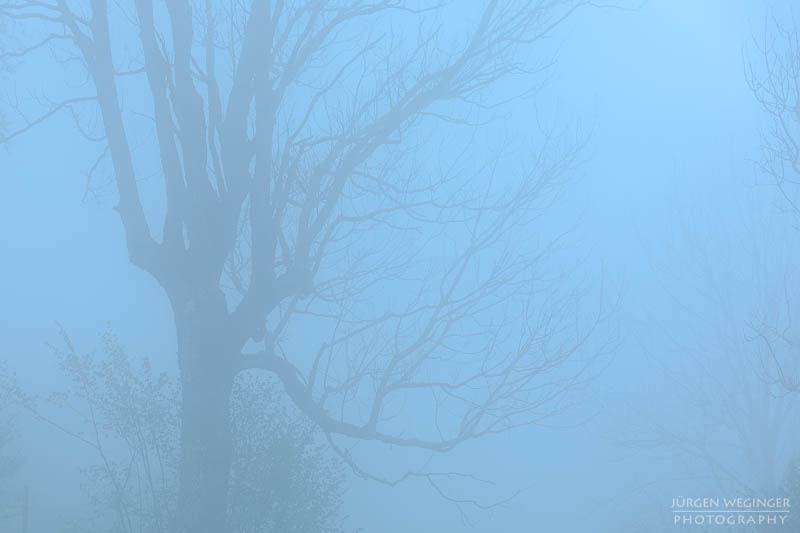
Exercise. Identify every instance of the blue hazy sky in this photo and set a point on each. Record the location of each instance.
(672, 128)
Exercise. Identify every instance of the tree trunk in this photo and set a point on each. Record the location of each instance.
(206, 383)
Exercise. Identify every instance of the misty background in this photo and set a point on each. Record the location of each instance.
(672, 235)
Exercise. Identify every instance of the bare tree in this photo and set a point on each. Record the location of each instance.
(303, 187)
(724, 427)
(11, 508)
(773, 73)
(720, 419)
(283, 477)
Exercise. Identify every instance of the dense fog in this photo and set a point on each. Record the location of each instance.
(397, 265)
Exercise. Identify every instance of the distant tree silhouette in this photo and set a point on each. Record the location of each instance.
(283, 477)
(773, 74)
(720, 417)
(10, 502)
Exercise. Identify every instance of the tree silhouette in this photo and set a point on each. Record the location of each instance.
(282, 477)
(10, 507)
(721, 417)
(325, 217)
(773, 74)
